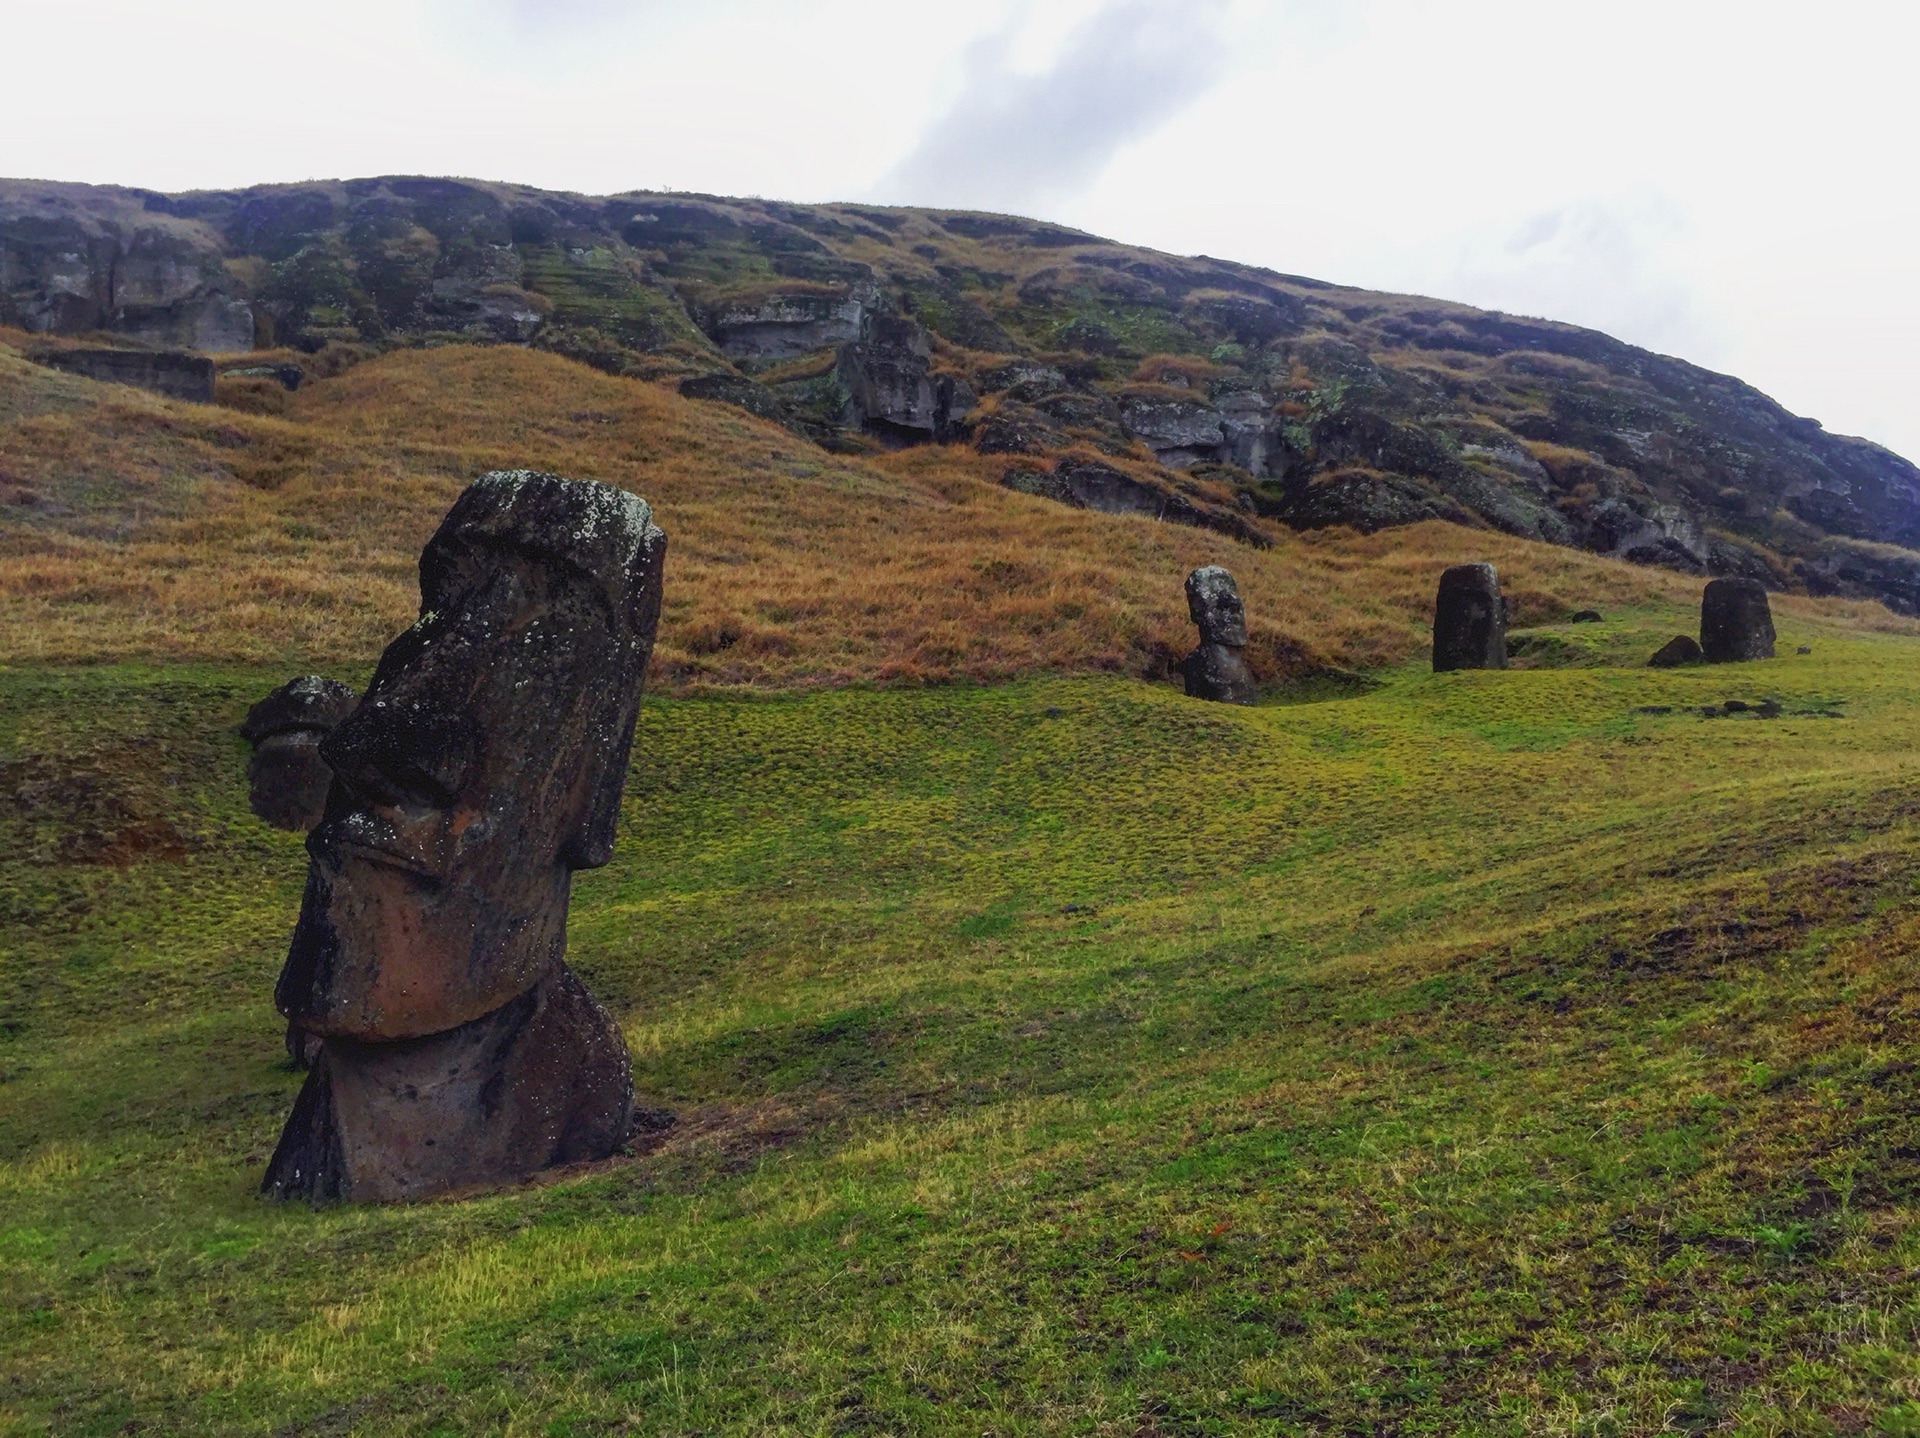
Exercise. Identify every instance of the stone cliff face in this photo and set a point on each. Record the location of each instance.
(858, 326)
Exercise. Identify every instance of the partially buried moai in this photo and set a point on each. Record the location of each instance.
(1736, 622)
(287, 780)
(481, 769)
(1469, 620)
(1218, 670)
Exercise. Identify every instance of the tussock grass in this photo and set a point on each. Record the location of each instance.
(138, 528)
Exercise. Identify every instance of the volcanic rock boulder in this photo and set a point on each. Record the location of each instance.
(482, 768)
(287, 780)
(1681, 649)
(1217, 669)
(1469, 620)
(1735, 621)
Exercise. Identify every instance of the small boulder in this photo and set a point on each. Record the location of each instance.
(1735, 621)
(1217, 669)
(1681, 649)
(1469, 620)
(287, 780)
(1585, 616)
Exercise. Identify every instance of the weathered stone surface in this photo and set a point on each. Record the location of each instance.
(781, 326)
(1105, 489)
(1735, 621)
(287, 780)
(542, 1080)
(1217, 669)
(176, 375)
(1026, 380)
(1681, 649)
(1180, 432)
(481, 769)
(1213, 603)
(750, 395)
(891, 391)
(1469, 620)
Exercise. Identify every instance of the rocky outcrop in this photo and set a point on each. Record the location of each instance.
(781, 326)
(1105, 489)
(167, 372)
(1323, 405)
(1469, 620)
(1736, 622)
(1217, 668)
(736, 390)
(77, 260)
(456, 1048)
(891, 391)
(1181, 430)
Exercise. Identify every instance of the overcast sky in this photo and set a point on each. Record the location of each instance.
(1733, 181)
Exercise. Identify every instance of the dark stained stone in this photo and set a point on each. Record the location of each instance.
(1585, 616)
(1735, 621)
(1681, 649)
(178, 376)
(481, 769)
(750, 395)
(1217, 669)
(1469, 620)
(287, 779)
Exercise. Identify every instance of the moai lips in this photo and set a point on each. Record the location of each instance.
(287, 780)
(1217, 669)
(1469, 620)
(1736, 622)
(481, 769)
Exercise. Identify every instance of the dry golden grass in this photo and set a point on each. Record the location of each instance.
(136, 527)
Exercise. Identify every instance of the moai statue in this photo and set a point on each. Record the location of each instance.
(482, 768)
(1469, 620)
(1735, 621)
(1217, 670)
(286, 778)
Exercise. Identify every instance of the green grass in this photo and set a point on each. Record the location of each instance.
(1476, 1054)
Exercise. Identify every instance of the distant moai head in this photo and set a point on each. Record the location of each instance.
(483, 766)
(1469, 620)
(1213, 603)
(287, 780)
(1736, 621)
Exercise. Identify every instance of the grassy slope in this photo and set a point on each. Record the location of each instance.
(1475, 1055)
(160, 530)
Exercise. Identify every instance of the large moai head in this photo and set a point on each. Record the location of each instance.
(1216, 669)
(1213, 603)
(1736, 622)
(1469, 620)
(287, 780)
(484, 764)
(482, 768)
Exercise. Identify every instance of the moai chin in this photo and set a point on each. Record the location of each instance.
(287, 780)
(1217, 670)
(481, 769)
(1469, 620)
(1736, 621)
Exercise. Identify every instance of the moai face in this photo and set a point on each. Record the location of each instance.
(1469, 620)
(482, 767)
(1213, 603)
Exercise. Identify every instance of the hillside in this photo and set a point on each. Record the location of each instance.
(142, 527)
(1486, 1054)
(864, 328)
